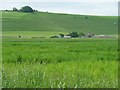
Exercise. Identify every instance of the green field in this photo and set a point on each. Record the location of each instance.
(14, 21)
(58, 62)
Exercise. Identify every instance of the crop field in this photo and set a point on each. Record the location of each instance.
(60, 63)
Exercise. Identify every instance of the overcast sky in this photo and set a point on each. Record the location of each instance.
(87, 7)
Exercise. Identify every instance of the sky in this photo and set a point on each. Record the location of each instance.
(82, 7)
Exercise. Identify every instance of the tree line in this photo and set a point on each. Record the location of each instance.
(26, 9)
(75, 35)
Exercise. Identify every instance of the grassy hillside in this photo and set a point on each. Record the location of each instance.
(13, 21)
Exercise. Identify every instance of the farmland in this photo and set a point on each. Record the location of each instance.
(58, 62)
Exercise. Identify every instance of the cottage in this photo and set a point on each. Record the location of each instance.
(59, 36)
(67, 37)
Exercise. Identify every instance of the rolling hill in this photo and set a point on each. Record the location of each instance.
(43, 21)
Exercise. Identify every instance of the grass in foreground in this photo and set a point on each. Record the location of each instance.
(81, 74)
(55, 63)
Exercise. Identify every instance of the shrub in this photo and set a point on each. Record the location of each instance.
(54, 37)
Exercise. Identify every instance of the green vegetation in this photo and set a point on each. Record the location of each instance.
(26, 9)
(33, 62)
(74, 34)
(15, 9)
(30, 34)
(60, 63)
(43, 21)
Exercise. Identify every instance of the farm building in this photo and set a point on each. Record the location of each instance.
(89, 35)
(67, 37)
(103, 36)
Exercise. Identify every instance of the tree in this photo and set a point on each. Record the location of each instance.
(35, 10)
(81, 34)
(62, 35)
(15, 9)
(26, 9)
(73, 34)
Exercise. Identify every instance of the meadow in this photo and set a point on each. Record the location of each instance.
(60, 63)
(33, 62)
(56, 22)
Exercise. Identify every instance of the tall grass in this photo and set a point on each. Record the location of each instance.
(60, 63)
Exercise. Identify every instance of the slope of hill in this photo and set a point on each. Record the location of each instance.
(43, 21)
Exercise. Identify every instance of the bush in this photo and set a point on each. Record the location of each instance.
(74, 34)
(26, 9)
(86, 17)
(54, 37)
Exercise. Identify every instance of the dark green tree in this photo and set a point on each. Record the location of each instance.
(15, 9)
(62, 35)
(81, 34)
(74, 34)
(26, 9)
